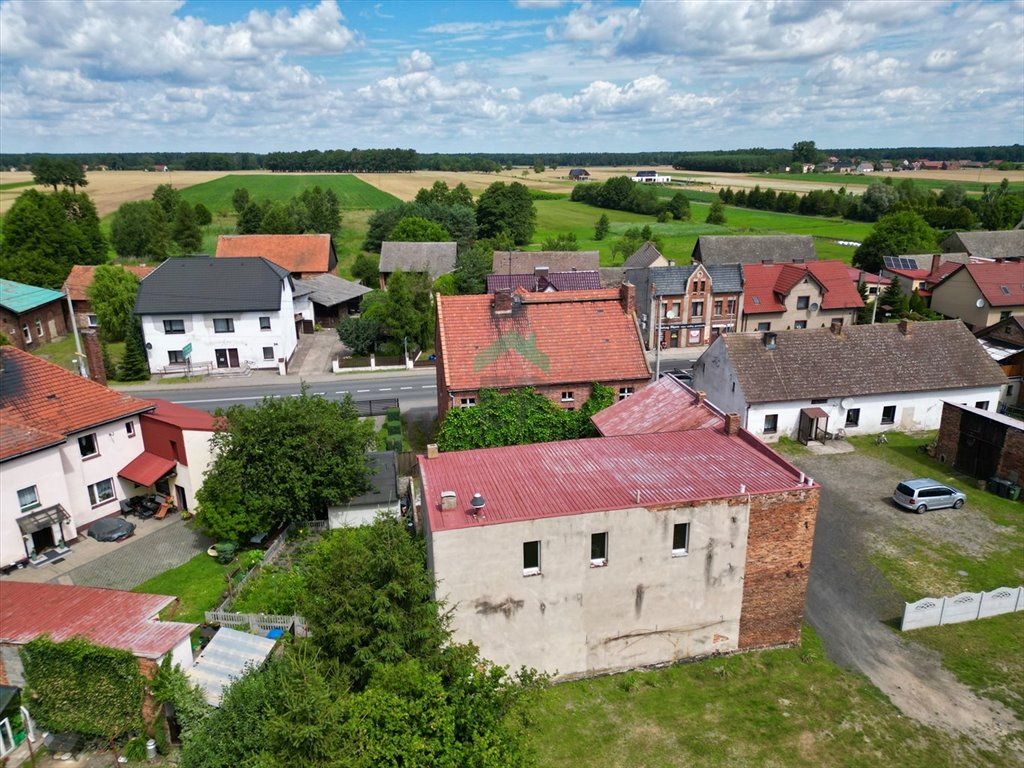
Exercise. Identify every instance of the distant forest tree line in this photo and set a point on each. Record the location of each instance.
(400, 160)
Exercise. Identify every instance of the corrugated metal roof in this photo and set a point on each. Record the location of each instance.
(226, 659)
(530, 482)
(110, 617)
(668, 405)
(18, 297)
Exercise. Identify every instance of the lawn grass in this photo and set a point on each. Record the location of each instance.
(789, 707)
(16, 185)
(62, 352)
(198, 583)
(352, 193)
(559, 216)
(984, 654)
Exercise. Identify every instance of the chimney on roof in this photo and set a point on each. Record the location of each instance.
(94, 357)
(701, 397)
(836, 326)
(768, 339)
(904, 326)
(627, 295)
(936, 261)
(447, 501)
(732, 423)
(432, 452)
(503, 302)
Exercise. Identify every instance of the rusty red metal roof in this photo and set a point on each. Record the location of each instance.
(668, 405)
(571, 477)
(146, 468)
(110, 617)
(182, 416)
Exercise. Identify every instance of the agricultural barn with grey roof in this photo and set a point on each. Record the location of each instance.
(333, 297)
(769, 249)
(526, 262)
(430, 259)
(1007, 244)
(863, 379)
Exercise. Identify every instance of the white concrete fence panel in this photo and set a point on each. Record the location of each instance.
(967, 606)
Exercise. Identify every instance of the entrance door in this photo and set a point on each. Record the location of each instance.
(182, 501)
(226, 358)
(43, 539)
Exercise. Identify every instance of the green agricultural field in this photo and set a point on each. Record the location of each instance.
(855, 180)
(679, 237)
(352, 192)
(16, 185)
(788, 707)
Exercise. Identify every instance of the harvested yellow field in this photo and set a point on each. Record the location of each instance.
(108, 189)
(404, 186)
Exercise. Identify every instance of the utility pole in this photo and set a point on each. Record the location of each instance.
(80, 358)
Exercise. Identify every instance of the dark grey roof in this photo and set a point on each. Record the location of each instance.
(739, 249)
(582, 280)
(1004, 244)
(611, 277)
(524, 262)
(861, 360)
(671, 281)
(644, 256)
(330, 290)
(204, 284)
(433, 259)
(383, 480)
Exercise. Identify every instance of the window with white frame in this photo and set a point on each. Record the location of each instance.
(567, 396)
(28, 498)
(174, 326)
(223, 325)
(39, 328)
(467, 402)
(87, 445)
(680, 539)
(625, 392)
(101, 492)
(129, 428)
(93, 321)
(803, 302)
(264, 323)
(531, 558)
(26, 333)
(599, 549)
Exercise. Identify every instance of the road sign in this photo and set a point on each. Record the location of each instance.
(186, 351)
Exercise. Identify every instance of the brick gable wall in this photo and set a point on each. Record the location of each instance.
(778, 563)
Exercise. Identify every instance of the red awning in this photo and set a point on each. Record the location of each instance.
(147, 468)
(815, 413)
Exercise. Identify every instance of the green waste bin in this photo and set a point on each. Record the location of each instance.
(1013, 492)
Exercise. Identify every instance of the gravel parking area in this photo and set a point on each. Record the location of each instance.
(853, 606)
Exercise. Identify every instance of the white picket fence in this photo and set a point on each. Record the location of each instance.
(967, 606)
(259, 623)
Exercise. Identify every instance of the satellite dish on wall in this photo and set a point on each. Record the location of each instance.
(814, 307)
(846, 402)
(979, 303)
(670, 315)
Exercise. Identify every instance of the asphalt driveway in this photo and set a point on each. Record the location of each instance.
(852, 606)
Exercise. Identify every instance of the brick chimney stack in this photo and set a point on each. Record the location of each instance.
(432, 452)
(905, 327)
(94, 357)
(836, 326)
(732, 423)
(503, 302)
(936, 261)
(627, 295)
(701, 397)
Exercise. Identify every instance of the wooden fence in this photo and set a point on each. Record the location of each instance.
(967, 606)
(259, 623)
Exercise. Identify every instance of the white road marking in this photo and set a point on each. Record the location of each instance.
(220, 400)
(429, 386)
(384, 389)
(362, 390)
(405, 387)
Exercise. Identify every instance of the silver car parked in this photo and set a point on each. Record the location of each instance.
(924, 494)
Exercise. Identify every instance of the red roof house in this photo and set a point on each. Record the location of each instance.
(667, 405)
(76, 286)
(807, 295)
(558, 343)
(299, 254)
(583, 557)
(981, 294)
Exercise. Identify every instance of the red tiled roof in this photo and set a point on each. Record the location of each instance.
(109, 617)
(81, 278)
(182, 416)
(146, 468)
(869, 279)
(1001, 283)
(549, 338)
(296, 253)
(37, 397)
(769, 283)
(667, 405)
(530, 482)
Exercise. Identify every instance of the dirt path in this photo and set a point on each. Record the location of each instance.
(849, 602)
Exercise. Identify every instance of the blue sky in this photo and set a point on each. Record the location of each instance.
(523, 75)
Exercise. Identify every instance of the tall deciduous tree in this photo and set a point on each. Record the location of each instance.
(806, 152)
(185, 231)
(506, 208)
(366, 269)
(472, 268)
(716, 213)
(112, 296)
(415, 229)
(57, 171)
(139, 231)
(679, 207)
(894, 234)
(167, 197)
(602, 227)
(283, 461)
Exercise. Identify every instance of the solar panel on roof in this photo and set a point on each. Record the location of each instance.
(899, 262)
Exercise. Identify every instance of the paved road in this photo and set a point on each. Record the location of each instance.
(414, 389)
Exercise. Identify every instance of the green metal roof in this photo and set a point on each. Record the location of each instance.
(19, 298)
